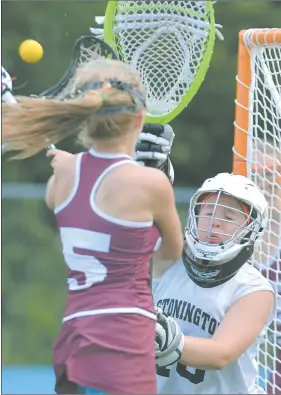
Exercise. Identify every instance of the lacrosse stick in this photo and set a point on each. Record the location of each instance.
(86, 49)
(170, 43)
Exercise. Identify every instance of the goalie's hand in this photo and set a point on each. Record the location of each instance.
(154, 146)
(169, 340)
(154, 143)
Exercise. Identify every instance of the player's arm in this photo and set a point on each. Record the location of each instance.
(50, 193)
(166, 217)
(242, 324)
(153, 150)
(60, 162)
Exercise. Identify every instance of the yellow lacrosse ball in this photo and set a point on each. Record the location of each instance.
(31, 51)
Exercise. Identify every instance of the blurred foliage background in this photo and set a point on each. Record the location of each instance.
(33, 277)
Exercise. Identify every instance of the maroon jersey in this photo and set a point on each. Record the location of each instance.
(109, 323)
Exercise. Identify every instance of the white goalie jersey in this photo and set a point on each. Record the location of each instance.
(199, 311)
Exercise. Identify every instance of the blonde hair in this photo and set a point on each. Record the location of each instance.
(108, 96)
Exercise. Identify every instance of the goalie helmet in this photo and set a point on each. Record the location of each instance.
(217, 245)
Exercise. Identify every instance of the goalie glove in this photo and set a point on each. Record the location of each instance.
(6, 87)
(6, 94)
(169, 340)
(154, 146)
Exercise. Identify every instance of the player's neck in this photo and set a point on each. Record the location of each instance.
(115, 146)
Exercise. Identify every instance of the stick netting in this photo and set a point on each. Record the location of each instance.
(87, 51)
(86, 54)
(264, 167)
(166, 42)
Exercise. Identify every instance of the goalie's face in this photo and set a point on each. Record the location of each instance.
(226, 216)
(220, 218)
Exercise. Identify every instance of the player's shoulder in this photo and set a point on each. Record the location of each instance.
(248, 280)
(152, 184)
(249, 274)
(139, 174)
(155, 178)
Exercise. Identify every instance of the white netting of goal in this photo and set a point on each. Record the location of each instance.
(264, 167)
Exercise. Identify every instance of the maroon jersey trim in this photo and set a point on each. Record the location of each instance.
(75, 186)
(105, 155)
(113, 310)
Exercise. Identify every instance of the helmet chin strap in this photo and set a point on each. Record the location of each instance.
(209, 276)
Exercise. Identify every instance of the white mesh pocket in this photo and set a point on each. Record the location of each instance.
(166, 41)
(86, 54)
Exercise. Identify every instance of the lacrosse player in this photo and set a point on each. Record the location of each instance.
(110, 213)
(213, 305)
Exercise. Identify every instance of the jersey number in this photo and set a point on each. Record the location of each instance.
(79, 247)
(196, 378)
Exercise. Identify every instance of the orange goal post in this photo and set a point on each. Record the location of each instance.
(257, 154)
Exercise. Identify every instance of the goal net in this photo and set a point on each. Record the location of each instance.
(257, 154)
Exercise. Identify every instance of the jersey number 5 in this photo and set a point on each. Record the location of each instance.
(79, 247)
(196, 378)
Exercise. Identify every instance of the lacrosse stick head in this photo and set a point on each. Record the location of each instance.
(169, 42)
(86, 49)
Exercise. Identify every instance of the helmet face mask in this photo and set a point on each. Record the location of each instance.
(218, 222)
(227, 216)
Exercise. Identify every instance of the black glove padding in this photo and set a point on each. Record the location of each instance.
(169, 341)
(154, 146)
(154, 143)
(6, 87)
